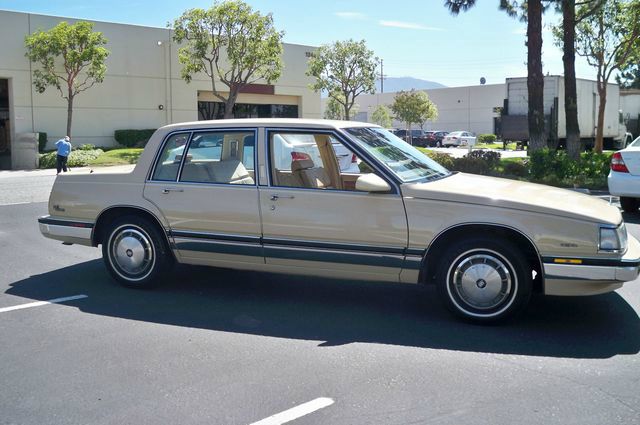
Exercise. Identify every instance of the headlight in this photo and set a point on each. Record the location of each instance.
(613, 239)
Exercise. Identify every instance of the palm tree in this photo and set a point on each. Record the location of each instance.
(531, 12)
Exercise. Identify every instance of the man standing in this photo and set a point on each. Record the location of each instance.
(64, 149)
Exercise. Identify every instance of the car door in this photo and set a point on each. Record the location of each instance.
(314, 221)
(206, 190)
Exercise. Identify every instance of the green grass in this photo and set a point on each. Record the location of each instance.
(118, 157)
(510, 146)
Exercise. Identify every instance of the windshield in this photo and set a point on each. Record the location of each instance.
(405, 161)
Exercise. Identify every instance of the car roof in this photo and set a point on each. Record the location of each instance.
(269, 122)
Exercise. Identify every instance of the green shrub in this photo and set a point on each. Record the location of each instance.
(86, 147)
(486, 138)
(133, 138)
(556, 168)
(441, 158)
(77, 158)
(472, 165)
(42, 141)
(491, 157)
(516, 169)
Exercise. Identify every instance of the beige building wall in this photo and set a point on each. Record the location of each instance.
(142, 88)
(467, 108)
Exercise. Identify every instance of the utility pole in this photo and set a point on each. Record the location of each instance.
(382, 76)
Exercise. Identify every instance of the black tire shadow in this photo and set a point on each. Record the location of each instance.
(339, 312)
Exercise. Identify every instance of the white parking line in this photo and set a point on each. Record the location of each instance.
(39, 303)
(296, 412)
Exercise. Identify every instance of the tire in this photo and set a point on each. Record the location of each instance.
(629, 205)
(484, 280)
(136, 253)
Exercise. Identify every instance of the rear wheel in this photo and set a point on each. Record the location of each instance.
(135, 252)
(484, 280)
(629, 204)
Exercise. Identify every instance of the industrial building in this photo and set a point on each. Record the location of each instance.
(142, 89)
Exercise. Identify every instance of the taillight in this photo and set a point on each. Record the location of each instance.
(354, 158)
(617, 163)
(299, 156)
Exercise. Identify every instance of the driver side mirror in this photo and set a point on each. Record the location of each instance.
(372, 183)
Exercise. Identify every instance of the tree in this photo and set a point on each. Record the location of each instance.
(230, 43)
(565, 34)
(335, 110)
(413, 107)
(70, 58)
(531, 12)
(608, 39)
(345, 69)
(382, 116)
(629, 78)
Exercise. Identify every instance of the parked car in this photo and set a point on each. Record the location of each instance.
(624, 177)
(459, 138)
(399, 219)
(433, 138)
(417, 137)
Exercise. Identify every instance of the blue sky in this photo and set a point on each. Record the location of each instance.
(414, 38)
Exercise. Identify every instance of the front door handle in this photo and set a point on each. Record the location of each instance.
(167, 190)
(276, 197)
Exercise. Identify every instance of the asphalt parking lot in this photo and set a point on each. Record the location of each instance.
(225, 347)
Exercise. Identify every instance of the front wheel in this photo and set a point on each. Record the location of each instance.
(484, 280)
(135, 253)
(629, 205)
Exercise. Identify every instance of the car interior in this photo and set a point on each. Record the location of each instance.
(308, 161)
(226, 164)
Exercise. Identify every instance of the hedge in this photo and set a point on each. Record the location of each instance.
(77, 158)
(487, 138)
(42, 141)
(133, 138)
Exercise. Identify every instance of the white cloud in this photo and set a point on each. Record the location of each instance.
(351, 15)
(408, 25)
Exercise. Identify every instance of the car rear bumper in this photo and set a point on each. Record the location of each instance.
(623, 184)
(592, 276)
(73, 232)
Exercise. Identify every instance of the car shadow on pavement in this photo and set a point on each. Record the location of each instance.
(337, 312)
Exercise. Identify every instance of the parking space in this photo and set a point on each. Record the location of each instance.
(221, 346)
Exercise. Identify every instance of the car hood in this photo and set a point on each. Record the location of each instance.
(503, 193)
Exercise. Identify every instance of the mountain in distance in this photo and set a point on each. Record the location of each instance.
(395, 84)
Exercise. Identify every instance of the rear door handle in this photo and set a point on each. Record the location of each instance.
(167, 190)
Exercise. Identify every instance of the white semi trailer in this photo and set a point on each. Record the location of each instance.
(514, 122)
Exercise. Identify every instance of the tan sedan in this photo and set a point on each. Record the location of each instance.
(233, 193)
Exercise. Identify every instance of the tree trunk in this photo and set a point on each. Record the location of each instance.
(347, 111)
(570, 91)
(230, 103)
(602, 92)
(69, 113)
(535, 79)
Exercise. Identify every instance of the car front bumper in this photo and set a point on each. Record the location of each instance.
(593, 276)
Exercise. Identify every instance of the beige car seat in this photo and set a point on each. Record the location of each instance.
(310, 175)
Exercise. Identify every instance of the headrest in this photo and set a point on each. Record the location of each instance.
(301, 164)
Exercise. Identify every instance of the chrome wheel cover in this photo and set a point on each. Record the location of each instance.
(131, 252)
(481, 283)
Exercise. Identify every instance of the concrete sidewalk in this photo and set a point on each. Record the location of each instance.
(74, 170)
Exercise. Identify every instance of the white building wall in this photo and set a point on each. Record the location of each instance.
(459, 108)
(143, 73)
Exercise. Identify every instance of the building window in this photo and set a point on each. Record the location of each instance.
(215, 111)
